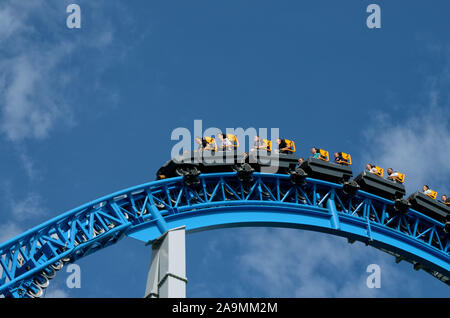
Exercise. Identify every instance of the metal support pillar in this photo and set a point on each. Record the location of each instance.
(167, 274)
(331, 205)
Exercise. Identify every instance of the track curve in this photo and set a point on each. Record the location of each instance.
(144, 212)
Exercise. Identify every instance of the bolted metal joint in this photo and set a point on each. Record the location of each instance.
(350, 188)
(190, 176)
(401, 206)
(298, 176)
(244, 172)
(447, 227)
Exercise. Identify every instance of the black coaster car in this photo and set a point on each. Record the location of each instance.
(327, 171)
(200, 162)
(271, 162)
(376, 185)
(432, 208)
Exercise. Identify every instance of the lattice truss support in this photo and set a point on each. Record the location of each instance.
(29, 261)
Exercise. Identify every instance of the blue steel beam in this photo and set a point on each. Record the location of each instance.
(220, 200)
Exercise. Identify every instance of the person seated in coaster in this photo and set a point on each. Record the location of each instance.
(226, 142)
(395, 176)
(285, 146)
(206, 143)
(261, 144)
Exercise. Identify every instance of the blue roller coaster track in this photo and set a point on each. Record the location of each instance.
(29, 261)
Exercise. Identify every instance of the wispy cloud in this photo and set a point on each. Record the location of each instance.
(40, 68)
(56, 293)
(29, 165)
(19, 209)
(418, 142)
(292, 263)
(27, 207)
(274, 262)
(33, 79)
(419, 147)
(8, 231)
(31, 107)
(8, 22)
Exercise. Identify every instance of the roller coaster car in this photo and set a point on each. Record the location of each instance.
(430, 207)
(196, 162)
(375, 184)
(327, 171)
(266, 161)
(399, 178)
(346, 159)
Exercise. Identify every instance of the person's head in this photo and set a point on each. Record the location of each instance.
(425, 188)
(336, 155)
(278, 140)
(300, 160)
(389, 171)
(444, 198)
(314, 150)
(220, 136)
(256, 138)
(198, 140)
(369, 166)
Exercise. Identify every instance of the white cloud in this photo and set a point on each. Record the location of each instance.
(28, 92)
(34, 74)
(37, 76)
(24, 207)
(31, 205)
(8, 231)
(9, 24)
(30, 108)
(419, 147)
(56, 293)
(417, 142)
(29, 166)
(293, 263)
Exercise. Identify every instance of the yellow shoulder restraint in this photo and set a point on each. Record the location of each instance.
(347, 158)
(400, 178)
(268, 144)
(233, 139)
(290, 144)
(211, 140)
(432, 194)
(380, 171)
(324, 155)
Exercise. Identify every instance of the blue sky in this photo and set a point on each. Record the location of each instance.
(87, 112)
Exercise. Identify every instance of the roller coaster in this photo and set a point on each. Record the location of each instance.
(200, 192)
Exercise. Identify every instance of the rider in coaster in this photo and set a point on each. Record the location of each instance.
(342, 158)
(316, 152)
(393, 176)
(226, 143)
(371, 168)
(339, 159)
(259, 144)
(282, 146)
(204, 144)
(300, 161)
(426, 189)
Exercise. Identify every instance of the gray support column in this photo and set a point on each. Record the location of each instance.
(167, 274)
